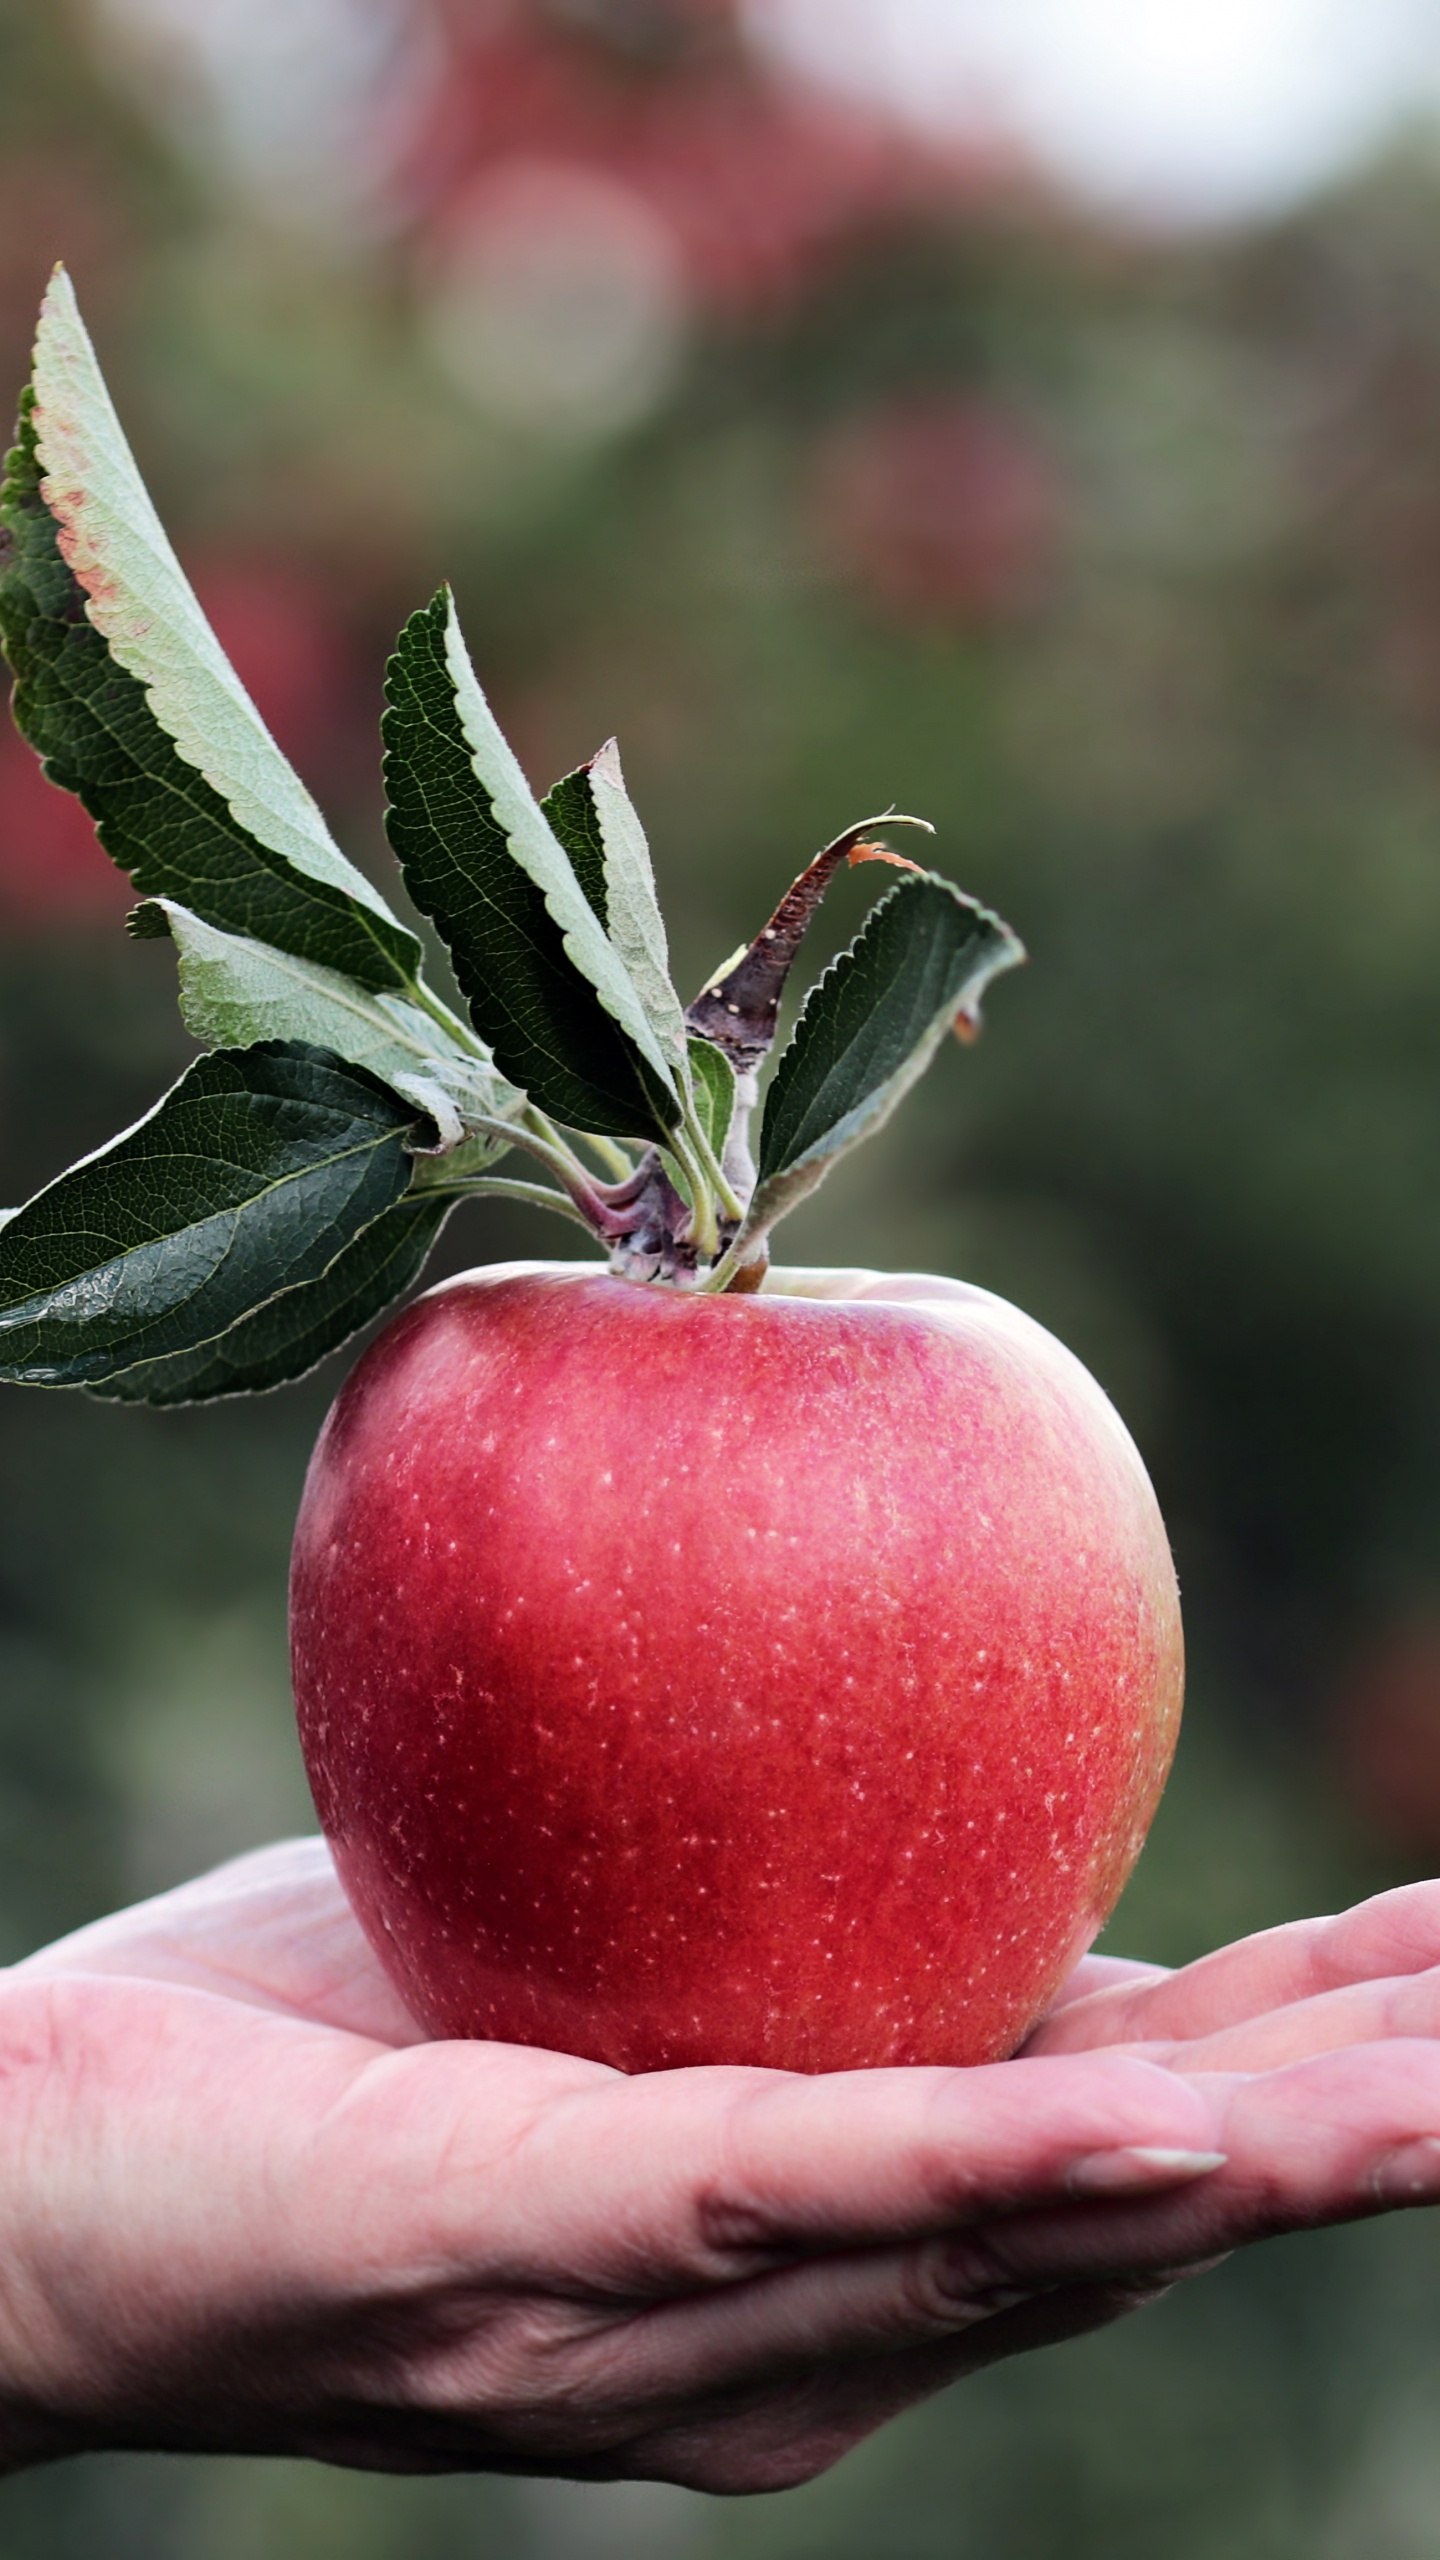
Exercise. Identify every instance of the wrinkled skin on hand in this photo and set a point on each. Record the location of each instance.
(247, 2208)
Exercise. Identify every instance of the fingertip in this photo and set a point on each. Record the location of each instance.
(1408, 2174)
(1139, 2169)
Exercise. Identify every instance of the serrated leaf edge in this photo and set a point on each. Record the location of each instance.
(539, 852)
(15, 1313)
(634, 923)
(783, 1190)
(104, 514)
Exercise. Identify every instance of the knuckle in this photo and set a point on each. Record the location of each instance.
(733, 2224)
(741, 2219)
(950, 2283)
(537, 2368)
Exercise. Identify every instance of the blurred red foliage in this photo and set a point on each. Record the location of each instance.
(755, 176)
(52, 870)
(279, 630)
(942, 507)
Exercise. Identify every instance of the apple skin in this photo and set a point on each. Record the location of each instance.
(783, 1680)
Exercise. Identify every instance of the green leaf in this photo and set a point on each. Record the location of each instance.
(593, 817)
(293, 1331)
(546, 991)
(535, 848)
(125, 692)
(632, 910)
(713, 1083)
(249, 1177)
(234, 992)
(569, 809)
(870, 1028)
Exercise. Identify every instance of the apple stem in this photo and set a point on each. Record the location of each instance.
(720, 1275)
(748, 1250)
(538, 1194)
(739, 1162)
(704, 1227)
(749, 1276)
(713, 1170)
(611, 1155)
(550, 1151)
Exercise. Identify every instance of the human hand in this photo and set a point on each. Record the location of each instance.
(1366, 1975)
(245, 2206)
(1325, 2034)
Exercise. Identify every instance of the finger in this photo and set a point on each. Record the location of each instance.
(1364, 2013)
(1101, 1973)
(1394, 1933)
(775, 2427)
(696, 2178)
(789, 2433)
(272, 1929)
(799, 2329)
(1331, 2139)
(1339, 2135)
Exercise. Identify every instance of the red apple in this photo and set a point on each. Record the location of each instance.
(783, 1679)
(691, 1665)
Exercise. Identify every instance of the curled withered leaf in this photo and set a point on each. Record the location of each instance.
(883, 853)
(740, 1007)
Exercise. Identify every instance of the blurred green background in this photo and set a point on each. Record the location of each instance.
(832, 462)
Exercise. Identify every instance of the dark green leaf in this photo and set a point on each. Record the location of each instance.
(870, 1028)
(249, 1177)
(157, 815)
(569, 805)
(547, 1018)
(288, 1335)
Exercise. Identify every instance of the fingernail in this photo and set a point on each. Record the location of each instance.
(1410, 2174)
(1137, 2168)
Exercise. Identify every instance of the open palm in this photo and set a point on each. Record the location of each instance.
(247, 2206)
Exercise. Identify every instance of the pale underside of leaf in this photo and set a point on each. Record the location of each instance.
(543, 858)
(633, 918)
(441, 1107)
(138, 597)
(234, 992)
